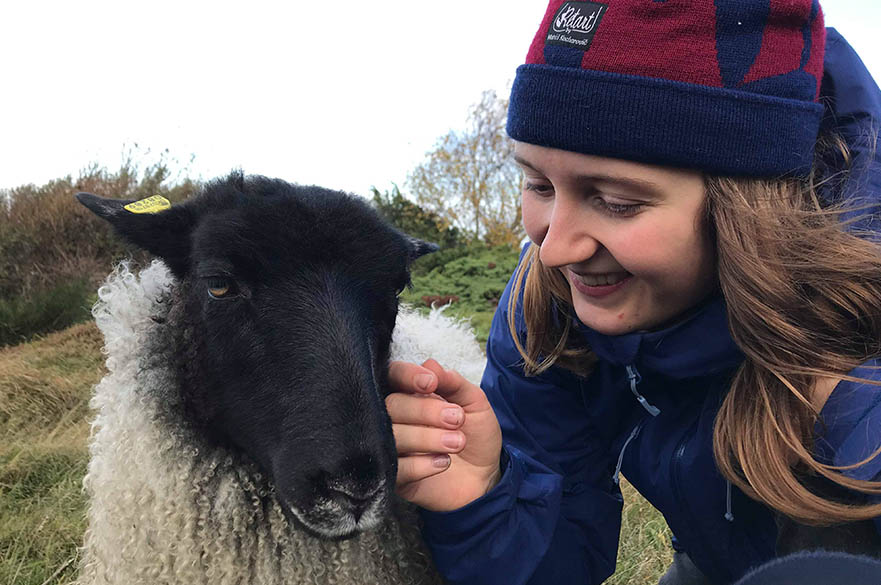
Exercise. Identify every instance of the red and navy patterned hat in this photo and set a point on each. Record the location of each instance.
(726, 86)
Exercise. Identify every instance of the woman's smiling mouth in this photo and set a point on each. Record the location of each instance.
(599, 285)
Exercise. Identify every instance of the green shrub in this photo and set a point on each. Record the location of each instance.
(414, 220)
(43, 311)
(476, 274)
(477, 277)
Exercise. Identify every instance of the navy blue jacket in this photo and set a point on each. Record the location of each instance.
(646, 411)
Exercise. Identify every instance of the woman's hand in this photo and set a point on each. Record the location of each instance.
(447, 435)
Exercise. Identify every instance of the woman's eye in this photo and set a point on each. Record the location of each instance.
(618, 209)
(541, 189)
(219, 287)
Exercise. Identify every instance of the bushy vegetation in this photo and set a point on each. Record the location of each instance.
(469, 275)
(475, 275)
(414, 220)
(53, 251)
(45, 310)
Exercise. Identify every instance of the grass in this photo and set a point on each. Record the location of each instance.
(644, 550)
(44, 391)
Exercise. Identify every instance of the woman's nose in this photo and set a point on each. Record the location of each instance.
(568, 239)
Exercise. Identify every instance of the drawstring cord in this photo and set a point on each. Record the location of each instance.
(633, 434)
(635, 379)
(728, 514)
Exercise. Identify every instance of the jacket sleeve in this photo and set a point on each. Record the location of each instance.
(555, 515)
(849, 430)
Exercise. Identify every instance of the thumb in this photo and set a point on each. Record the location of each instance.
(453, 386)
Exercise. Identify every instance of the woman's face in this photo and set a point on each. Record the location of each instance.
(629, 238)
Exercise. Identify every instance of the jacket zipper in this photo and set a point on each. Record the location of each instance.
(675, 474)
(634, 378)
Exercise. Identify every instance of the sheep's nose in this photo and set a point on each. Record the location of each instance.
(356, 501)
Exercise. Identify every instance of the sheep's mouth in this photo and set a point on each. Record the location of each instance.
(329, 519)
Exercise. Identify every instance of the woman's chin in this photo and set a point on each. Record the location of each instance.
(606, 318)
(610, 328)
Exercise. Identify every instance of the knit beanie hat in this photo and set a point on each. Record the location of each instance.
(729, 87)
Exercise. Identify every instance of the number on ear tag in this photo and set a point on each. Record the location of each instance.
(153, 204)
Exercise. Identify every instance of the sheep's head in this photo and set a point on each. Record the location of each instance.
(287, 299)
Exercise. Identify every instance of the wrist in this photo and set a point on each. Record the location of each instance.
(494, 480)
(496, 477)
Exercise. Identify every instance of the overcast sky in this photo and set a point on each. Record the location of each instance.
(344, 94)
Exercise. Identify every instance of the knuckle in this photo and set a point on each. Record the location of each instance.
(428, 410)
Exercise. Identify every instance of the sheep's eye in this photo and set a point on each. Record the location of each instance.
(219, 287)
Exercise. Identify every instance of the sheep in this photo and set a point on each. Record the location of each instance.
(241, 435)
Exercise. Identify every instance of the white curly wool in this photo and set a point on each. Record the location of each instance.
(418, 337)
(166, 508)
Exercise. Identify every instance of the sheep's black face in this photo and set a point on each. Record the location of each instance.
(288, 301)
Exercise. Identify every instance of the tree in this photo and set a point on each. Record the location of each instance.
(470, 178)
(413, 219)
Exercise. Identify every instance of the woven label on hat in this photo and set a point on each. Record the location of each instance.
(575, 23)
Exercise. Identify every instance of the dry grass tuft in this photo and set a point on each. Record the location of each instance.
(45, 385)
(44, 390)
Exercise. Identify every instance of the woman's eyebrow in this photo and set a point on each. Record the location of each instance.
(641, 185)
(524, 163)
(630, 183)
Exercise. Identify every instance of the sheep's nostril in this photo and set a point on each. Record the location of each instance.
(356, 501)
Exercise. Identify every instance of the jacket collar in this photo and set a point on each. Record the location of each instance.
(699, 344)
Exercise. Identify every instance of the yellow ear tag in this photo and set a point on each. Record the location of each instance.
(153, 204)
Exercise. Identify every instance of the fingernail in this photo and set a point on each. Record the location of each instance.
(440, 460)
(451, 440)
(451, 416)
(423, 380)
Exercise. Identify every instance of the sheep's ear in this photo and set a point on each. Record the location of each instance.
(420, 247)
(159, 228)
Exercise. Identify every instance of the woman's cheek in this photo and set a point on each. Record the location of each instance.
(641, 249)
(676, 258)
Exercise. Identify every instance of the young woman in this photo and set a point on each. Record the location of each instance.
(694, 311)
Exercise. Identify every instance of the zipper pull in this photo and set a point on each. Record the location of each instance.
(635, 378)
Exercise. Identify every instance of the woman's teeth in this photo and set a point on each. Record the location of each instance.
(601, 279)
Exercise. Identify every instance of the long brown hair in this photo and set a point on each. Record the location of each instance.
(804, 304)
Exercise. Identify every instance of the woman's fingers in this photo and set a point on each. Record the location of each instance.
(418, 467)
(418, 439)
(420, 409)
(453, 387)
(413, 378)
